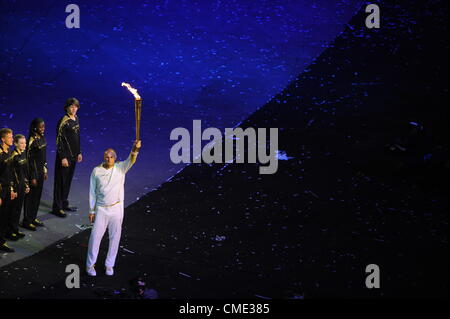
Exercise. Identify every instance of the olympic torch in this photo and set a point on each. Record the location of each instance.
(137, 108)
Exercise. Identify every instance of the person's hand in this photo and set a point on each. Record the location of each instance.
(13, 195)
(27, 190)
(137, 146)
(91, 217)
(34, 182)
(65, 162)
(80, 158)
(0, 202)
(45, 176)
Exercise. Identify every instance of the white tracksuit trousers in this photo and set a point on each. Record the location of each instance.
(106, 218)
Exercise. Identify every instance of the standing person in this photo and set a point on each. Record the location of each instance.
(7, 194)
(67, 156)
(37, 170)
(106, 200)
(20, 165)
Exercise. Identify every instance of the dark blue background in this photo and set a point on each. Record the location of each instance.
(217, 61)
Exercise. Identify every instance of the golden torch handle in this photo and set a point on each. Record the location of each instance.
(137, 110)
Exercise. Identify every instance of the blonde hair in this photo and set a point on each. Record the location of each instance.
(18, 137)
(5, 131)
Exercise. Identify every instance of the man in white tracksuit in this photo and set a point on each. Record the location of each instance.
(106, 197)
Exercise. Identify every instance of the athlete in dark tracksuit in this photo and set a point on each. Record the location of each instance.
(37, 170)
(20, 165)
(67, 156)
(7, 191)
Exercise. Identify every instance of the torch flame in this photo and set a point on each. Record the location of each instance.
(132, 90)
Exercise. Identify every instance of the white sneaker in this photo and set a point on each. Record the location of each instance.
(109, 271)
(91, 271)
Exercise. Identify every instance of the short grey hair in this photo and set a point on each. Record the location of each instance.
(110, 150)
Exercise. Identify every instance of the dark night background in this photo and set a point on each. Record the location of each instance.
(340, 94)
